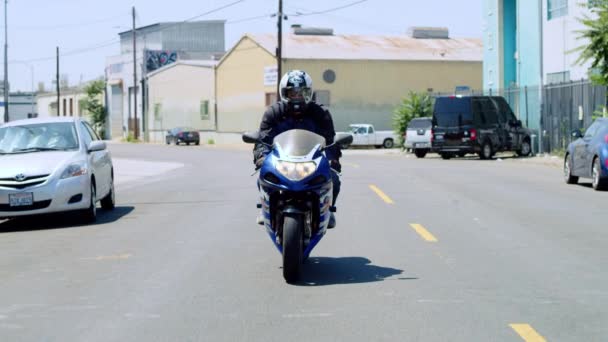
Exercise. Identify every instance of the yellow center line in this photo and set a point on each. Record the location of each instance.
(423, 232)
(382, 195)
(527, 333)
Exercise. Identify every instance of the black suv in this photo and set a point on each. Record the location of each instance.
(477, 124)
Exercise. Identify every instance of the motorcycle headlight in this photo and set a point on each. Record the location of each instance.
(73, 170)
(295, 171)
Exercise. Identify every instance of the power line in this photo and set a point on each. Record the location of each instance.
(114, 41)
(382, 28)
(65, 26)
(249, 19)
(330, 9)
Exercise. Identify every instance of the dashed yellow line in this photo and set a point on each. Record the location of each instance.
(527, 332)
(423, 232)
(381, 194)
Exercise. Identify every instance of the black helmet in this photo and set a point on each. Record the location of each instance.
(296, 89)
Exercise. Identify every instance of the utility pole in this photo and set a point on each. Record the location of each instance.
(5, 61)
(58, 92)
(135, 126)
(279, 46)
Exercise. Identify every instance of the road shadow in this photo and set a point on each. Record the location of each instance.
(61, 220)
(322, 271)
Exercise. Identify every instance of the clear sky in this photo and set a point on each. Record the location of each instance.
(87, 31)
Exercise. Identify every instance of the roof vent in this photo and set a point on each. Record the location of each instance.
(429, 32)
(311, 31)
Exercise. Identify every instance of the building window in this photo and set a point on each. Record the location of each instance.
(64, 107)
(71, 107)
(322, 97)
(593, 3)
(157, 110)
(204, 110)
(556, 8)
(558, 77)
(271, 98)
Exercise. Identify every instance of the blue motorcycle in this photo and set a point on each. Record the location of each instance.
(295, 194)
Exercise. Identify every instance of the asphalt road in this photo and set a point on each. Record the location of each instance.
(424, 250)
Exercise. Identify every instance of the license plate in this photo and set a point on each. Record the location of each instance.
(190, 135)
(21, 199)
(439, 137)
(422, 145)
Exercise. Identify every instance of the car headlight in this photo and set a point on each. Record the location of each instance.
(74, 169)
(295, 171)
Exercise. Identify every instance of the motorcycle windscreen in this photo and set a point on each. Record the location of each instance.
(298, 142)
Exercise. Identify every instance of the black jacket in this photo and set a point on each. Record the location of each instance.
(315, 118)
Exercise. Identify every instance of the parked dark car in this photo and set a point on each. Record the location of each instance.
(183, 135)
(477, 124)
(587, 156)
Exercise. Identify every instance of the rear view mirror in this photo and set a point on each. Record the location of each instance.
(344, 140)
(251, 137)
(577, 134)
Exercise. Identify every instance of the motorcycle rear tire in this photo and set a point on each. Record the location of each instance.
(292, 248)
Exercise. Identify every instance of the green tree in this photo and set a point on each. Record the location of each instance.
(93, 106)
(596, 33)
(415, 105)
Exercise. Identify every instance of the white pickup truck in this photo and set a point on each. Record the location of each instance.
(366, 135)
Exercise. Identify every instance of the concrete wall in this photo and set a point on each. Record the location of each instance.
(174, 99)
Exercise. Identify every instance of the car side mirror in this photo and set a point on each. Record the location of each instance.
(576, 134)
(97, 146)
(251, 137)
(344, 140)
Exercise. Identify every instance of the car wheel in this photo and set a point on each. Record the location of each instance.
(388, 143)
(486, 151)
(568, 177)
(599, 182)
(420, 153)
(445, 156)
(462, 154)
(109, 202)
(188, 143)
(197, 143)
(89, 215)
(168, 141)
(525, 150)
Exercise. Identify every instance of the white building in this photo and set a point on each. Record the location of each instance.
(156, 46)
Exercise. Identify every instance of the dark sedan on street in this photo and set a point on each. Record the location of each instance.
(183, 135)
(587, 156)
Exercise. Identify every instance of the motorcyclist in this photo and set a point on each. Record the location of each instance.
(298, 110)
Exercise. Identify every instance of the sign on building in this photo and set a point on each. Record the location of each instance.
(158, 59)
(270, 75)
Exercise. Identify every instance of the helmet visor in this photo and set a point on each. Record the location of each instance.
(299, 93)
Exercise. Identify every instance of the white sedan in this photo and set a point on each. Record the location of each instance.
(53, 165)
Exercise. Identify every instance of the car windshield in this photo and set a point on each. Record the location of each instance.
(53, 136)
(298, 142)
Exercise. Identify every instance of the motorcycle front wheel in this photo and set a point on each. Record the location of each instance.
(292, 248)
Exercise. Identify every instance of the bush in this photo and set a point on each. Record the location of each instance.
(210, 141)
(415, 105)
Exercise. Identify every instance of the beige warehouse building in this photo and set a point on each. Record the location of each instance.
(359, 78)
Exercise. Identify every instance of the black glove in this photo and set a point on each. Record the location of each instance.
(335, 164)
(259, 162)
